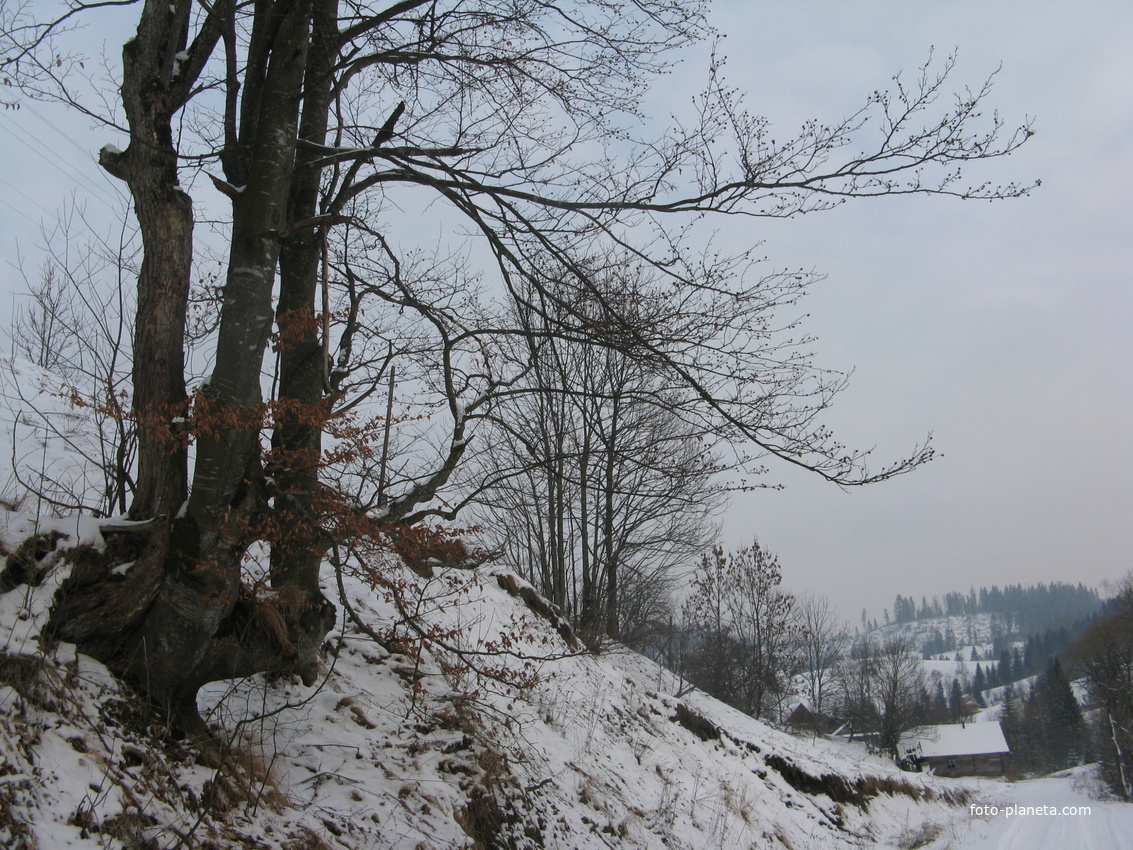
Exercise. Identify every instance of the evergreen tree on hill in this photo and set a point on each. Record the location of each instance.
(1054, 721)
(956, 702)
(979, 684)
(1011, 721)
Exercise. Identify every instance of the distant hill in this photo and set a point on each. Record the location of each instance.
(1012, 633)
(940, 636)
(1019, 609)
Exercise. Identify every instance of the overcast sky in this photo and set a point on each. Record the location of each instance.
(1004, 329)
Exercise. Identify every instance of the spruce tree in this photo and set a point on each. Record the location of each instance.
(1012, 722)
(1054, 721)
(1066, 722)
(956, 702)
(979, 683)
(939, 704)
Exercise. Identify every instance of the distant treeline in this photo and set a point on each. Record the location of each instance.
(1030, 608)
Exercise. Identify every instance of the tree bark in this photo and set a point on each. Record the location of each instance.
(150, 97)
(609, 508)
(195, 621)
(96, 614)
(297, 440)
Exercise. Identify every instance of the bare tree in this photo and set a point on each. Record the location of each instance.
(823, 639)
(882, 686)
(74, 322)
(857, 685)
(767, 626)
(746, 627)
(900, 680)
(713, 654)
(315, 120)
(600, 488)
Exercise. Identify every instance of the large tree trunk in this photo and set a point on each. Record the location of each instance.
(93, 612)
(303, 376)
(165, 218)
(181, 617)
(198, 620)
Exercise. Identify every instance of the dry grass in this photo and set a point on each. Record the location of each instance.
(14, 833)
(24, 674)
(857, 792)
(919, 837)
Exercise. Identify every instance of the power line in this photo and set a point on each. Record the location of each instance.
(15, 209)
(26, 198)
(111, 182)
(62, 165)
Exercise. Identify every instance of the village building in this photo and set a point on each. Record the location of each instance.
(971, 749)
(803, 719)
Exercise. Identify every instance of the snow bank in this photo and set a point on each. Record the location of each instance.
(527, 743)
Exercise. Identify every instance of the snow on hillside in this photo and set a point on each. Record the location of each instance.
(417, 751)
(975, 631)
(947, 671)
(47, 443)
(410, 749)
(970, 630)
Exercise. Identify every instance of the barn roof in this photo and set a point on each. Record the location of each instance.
(956, 740)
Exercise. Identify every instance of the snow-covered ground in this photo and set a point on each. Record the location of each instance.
(971, 630)
(47, 443)
(1062, 812)
(416, 750)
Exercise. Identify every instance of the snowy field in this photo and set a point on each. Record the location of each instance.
(414, 751)
(396, 751)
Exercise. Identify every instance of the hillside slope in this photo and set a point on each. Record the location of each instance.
(968, 629)
(417, 750)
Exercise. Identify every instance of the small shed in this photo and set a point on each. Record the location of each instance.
(972, 749)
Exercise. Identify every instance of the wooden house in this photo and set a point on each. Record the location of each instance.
(803, 719)
(971, 749)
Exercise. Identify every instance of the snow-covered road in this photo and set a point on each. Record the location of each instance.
(1042, 814)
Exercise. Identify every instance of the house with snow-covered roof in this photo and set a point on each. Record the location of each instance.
(972, 749)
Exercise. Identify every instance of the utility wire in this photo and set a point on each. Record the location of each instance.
(63, 165)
